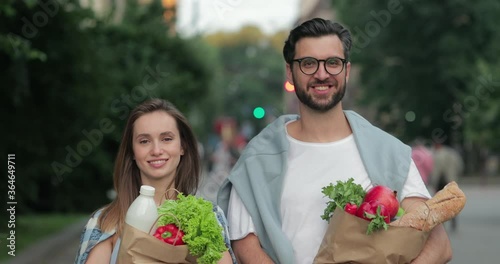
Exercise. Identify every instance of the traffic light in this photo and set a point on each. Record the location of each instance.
(259, 112)
(289, 87)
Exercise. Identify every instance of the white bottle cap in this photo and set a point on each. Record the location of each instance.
(147, 190)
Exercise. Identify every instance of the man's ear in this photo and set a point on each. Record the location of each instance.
(348, 71)
(289, 75)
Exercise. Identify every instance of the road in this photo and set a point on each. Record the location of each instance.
(476, 241)
(59, 248)
(478, 237)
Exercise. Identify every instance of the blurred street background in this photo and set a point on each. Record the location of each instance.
(72, 70)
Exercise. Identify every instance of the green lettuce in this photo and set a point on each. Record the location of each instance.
(196, 218)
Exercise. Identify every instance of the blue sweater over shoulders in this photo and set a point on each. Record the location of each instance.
(258, 175)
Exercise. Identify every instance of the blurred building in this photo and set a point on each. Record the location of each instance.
(116, 9)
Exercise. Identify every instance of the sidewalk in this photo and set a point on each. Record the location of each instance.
(59, 248)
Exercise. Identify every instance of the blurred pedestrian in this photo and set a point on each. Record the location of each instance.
(228, 149)
(490, 168)
(422, 156)
(158, 148)
(221, 158)
(448, 167)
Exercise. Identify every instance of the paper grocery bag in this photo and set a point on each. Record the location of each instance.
(138, 247)
(346, 241)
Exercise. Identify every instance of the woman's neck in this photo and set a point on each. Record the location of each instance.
(164, 189)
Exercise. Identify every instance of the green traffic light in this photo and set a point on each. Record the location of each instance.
(259, 112)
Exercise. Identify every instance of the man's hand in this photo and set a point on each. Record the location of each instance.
(437, 249)
(248, 250)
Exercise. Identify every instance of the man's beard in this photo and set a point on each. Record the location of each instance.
(308, 100)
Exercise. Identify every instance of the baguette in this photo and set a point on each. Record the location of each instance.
(443, 206)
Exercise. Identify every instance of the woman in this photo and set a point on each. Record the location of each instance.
(159, 149)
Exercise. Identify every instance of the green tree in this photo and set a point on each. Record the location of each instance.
(252, 75)
(481, 109)
(419, 60)
(70, 86)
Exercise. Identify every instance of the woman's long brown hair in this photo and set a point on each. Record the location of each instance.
(126, 175)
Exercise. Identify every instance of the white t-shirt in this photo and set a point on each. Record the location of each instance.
(312, 166)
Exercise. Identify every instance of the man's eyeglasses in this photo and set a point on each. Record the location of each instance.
(310, 65)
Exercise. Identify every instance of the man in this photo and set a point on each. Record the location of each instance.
(273, 197)
(448, 167)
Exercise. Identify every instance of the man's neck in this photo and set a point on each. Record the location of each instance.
(313, 126)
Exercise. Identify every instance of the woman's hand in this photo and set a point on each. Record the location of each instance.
(226, 258)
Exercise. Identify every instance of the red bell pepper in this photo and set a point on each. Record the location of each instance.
(170, 234)
(368, 211)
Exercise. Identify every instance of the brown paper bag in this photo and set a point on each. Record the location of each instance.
(346, 241)
(138, 247)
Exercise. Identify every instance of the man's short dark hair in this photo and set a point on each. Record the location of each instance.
(316, 27)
